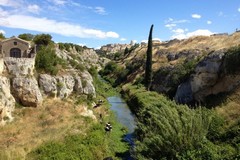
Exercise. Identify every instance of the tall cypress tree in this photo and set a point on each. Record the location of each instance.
(148, 70)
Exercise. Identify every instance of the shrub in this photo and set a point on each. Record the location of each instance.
(165, 129)
(43, 39)
(47, 61)
(26, 36)
(231, 62)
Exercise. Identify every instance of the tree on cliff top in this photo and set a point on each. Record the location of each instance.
(26, 36)
(148, 70)
(43, 39)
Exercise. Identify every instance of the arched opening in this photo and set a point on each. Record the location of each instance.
(15, 52)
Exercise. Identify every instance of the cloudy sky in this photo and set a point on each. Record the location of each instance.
(98, 22)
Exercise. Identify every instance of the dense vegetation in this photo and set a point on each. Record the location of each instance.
(232, 60)
(46, 59)
(148, 70)
(170, 131)
(67, 47)
(94, 144)
(26, 36)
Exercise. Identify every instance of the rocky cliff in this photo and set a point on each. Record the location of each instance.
(188, 70)
(19, 81)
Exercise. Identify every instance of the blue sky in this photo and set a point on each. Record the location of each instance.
(98, 22)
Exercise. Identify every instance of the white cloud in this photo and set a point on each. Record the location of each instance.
(2, 31)
(170, 25)
(11, 3)
(181, 21)
(178, 31)
(239, 9)
(156, 39)
(81, 44)
(52, 26)
(144, 41)
(134, 41)
(33, 8)
(209, 22)
(183, 35)
(123, 39)
(100, 10)
(58, 2)
(197, 16)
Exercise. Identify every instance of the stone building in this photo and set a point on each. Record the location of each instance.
(17, 48)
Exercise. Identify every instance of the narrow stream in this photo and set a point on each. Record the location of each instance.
(124, 116)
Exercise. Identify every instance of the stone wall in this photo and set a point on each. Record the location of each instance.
(7, 45)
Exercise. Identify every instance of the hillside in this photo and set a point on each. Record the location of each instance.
(192, 110)
(49, 98)
(175, 61)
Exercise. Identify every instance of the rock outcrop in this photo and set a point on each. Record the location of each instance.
(62, 86)
(24, 86)
(19, 66)
(7, 102)
(26, 91)
(208, 79)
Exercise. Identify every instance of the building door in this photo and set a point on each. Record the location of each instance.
(15, 52)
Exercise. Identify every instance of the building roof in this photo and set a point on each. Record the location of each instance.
(15, 38)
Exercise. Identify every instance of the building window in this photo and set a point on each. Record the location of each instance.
(15, 43)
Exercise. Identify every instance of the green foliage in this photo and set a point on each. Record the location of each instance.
(231, 62)
(114, 73)
(2, 36)
(170, 131)
(172, 77)
(148, 70)
(26, 36)
(47, 61)
(43, 39)
(93, 71)
(165, 128)
(126, 51)
(136, 45)
(95, 144)
(67, 47)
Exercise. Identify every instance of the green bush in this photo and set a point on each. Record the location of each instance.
(231, 62)
(26, 36)
(170, 131)
(165, 129)
(172, 77)
(43, 39)
(47, 61)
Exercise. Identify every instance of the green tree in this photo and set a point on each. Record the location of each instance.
(126, 51)
(148, 71)
(43, 39)
(2, 36)
(26, 36)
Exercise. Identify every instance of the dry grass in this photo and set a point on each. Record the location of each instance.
(230, 109)
(33, 126)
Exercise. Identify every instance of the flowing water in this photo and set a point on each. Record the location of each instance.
(124, 116)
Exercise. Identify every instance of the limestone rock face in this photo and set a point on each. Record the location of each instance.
(7, 102)
(208, 79)
(19, 66)
(25, 90)
(1, 65)
(48, 84)
(65, 85)
(62, 86)
(88, 87)
(184, 93)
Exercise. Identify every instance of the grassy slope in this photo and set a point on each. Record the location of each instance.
(60, 123)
